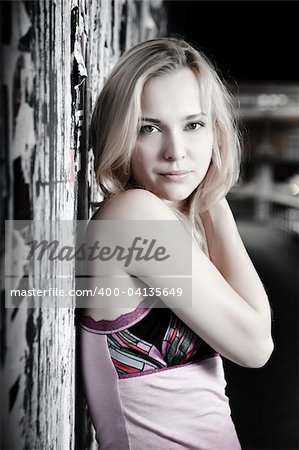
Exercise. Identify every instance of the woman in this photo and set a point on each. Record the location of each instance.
(166, 148)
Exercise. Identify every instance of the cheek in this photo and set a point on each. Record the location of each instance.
(144, 154)
(139, 161)
(209, 144)
(203, 151)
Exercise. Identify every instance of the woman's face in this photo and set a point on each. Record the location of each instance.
(174, 146)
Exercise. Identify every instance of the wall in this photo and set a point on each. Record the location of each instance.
(56, 55)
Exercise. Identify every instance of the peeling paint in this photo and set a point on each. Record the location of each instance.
(13, 392)
(18, 252)
(24, 139)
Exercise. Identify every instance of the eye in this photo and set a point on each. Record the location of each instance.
(195, 125)
(148, 129)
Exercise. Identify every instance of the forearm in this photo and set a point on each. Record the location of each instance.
(228, 254)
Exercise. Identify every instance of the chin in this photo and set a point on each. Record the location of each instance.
(178, 196)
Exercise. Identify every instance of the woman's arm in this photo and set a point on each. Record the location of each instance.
(230, 309)
(228, 254)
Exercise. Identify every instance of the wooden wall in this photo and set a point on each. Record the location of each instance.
(56, 55)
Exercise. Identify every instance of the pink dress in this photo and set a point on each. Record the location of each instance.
(143, 394)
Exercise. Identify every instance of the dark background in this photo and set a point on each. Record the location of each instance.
(249, 41)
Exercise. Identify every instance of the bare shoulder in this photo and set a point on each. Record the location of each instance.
(135, 204)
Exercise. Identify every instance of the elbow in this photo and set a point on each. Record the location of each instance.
(260, 355)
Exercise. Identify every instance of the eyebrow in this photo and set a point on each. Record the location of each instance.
(190, 117)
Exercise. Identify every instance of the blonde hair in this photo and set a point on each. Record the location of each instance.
(114, 125)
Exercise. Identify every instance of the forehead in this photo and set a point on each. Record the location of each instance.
(176, 92)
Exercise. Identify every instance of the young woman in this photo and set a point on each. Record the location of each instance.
(166, 148)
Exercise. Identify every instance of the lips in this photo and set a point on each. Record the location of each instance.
(175, 172)
(175, 175)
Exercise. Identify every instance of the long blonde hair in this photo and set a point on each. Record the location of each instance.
(114, 125)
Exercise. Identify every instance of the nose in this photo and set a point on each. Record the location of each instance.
(174, 147)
